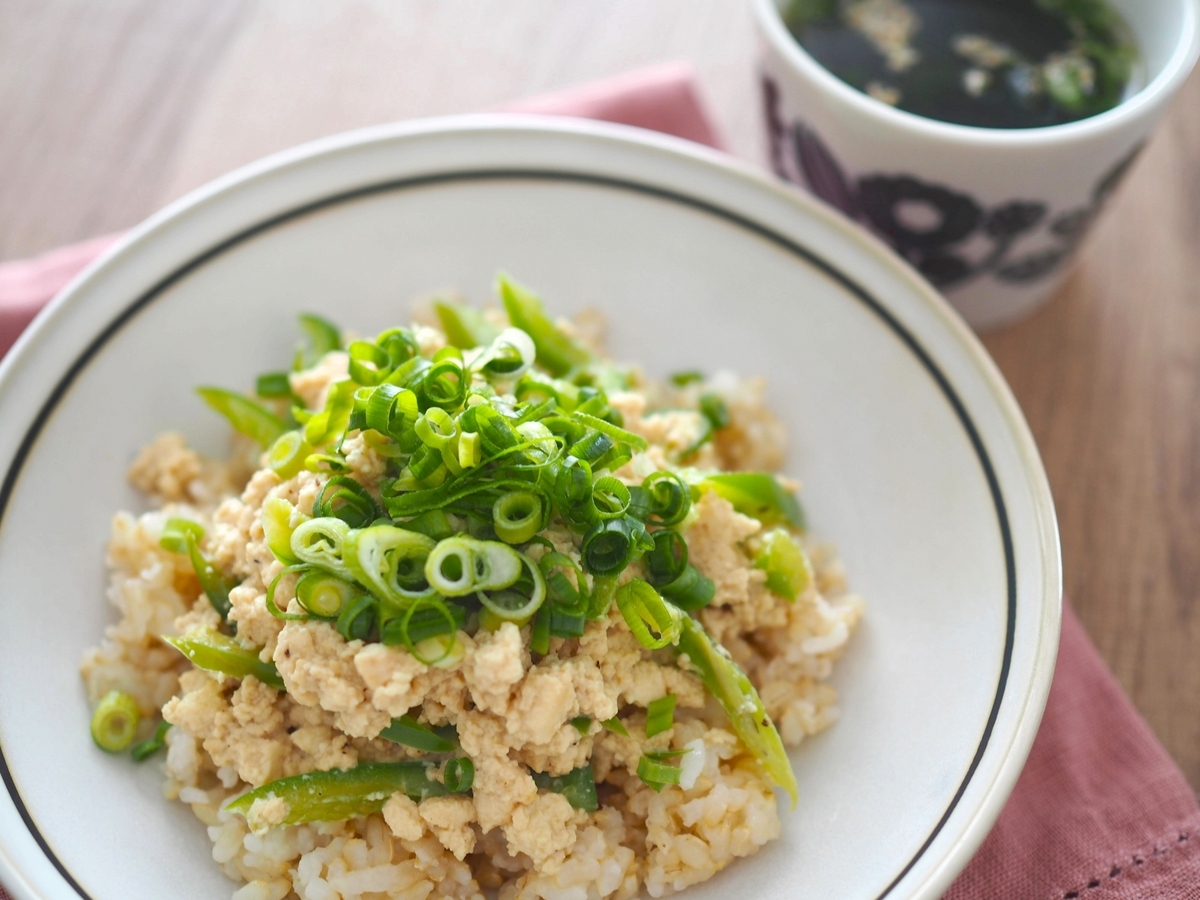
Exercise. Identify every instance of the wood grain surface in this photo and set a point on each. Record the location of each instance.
(108, 111)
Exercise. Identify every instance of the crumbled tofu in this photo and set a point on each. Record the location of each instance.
(402, 817)
(450, 819)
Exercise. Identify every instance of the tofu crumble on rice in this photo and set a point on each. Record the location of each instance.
(473, 610)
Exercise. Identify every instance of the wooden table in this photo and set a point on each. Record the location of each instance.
(107, 111)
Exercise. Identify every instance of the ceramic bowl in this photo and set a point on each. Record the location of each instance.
(993, 217)
(915, 459)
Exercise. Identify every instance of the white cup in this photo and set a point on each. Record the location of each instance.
(991, 216)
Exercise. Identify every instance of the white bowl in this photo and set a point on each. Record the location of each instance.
(915, 458)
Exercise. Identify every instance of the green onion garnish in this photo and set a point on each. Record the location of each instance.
(408, 731)
(323, 594)
(387, 561)
(277, 518)
(143, 750)
(115, 721)
(344, 498)
(612, 544)
(175, 532)
(660, 715)
(288, 454)
(582, 724)
(517, 516)
(657, 775)
(321, 543)
(683, 379)
(244, 415)
(578, 786)
(713, 408)
(653, 622)
(616, 726)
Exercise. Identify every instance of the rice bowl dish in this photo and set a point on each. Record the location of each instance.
(472, 610)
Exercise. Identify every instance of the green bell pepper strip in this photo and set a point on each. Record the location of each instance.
(578, 786)
(725, 680)
(557, 353)
(340, 794)
(215, 652)
(759, 495)
(244, 415)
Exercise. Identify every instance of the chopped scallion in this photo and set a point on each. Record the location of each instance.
(115, 721)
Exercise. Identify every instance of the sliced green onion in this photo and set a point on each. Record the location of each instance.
(668, 559)
(435, 427)
(321, 542)
(143, 750)
(390, 562)
(340, 794)
(424, 623)
(758, 495)
(288, 454)
(612, 544)
(611, 497)
(612, 431)
(462, 565)
(691, 590)
(269, 600)
(330, 424)
(465, 326)
(400, 345)
(215, 652)
(660, 715)
(789, 572)
(325, 463)
(115, 721)
(369, 364)
(604, 591)
(344, 498)
(578, 786)
(459, 774)
(582, 724)
(512, 605)
(657, 775)
(273, 385)
(277, 518)
(391, 410)
(434, 651)
(357, 619)
(175, 532)
(445, 384)
(321, 337)
(323, 594)
(616, 726)
(669, 496)
(566, 624)
(591, 447)
(244, 415)
(216, 586)
(434, 523)
(654, 623)
(509, 356)
(517, 516)
(408, 731)
(556, 352)
(470, 450)
(539, 634)
(725, 681)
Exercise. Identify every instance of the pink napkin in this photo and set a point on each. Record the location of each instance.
(1100, 811)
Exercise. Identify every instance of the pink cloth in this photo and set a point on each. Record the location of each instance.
(1100, 811)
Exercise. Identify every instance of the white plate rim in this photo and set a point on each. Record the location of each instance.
(975, 825)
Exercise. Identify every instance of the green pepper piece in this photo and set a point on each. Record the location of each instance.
(340, 794)
(244, 415)
(216, 652)
(759, 495)
(557, 353)
(789, 572)
(578, 786)
(216, 586)
(465, 326)
(725, 680)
